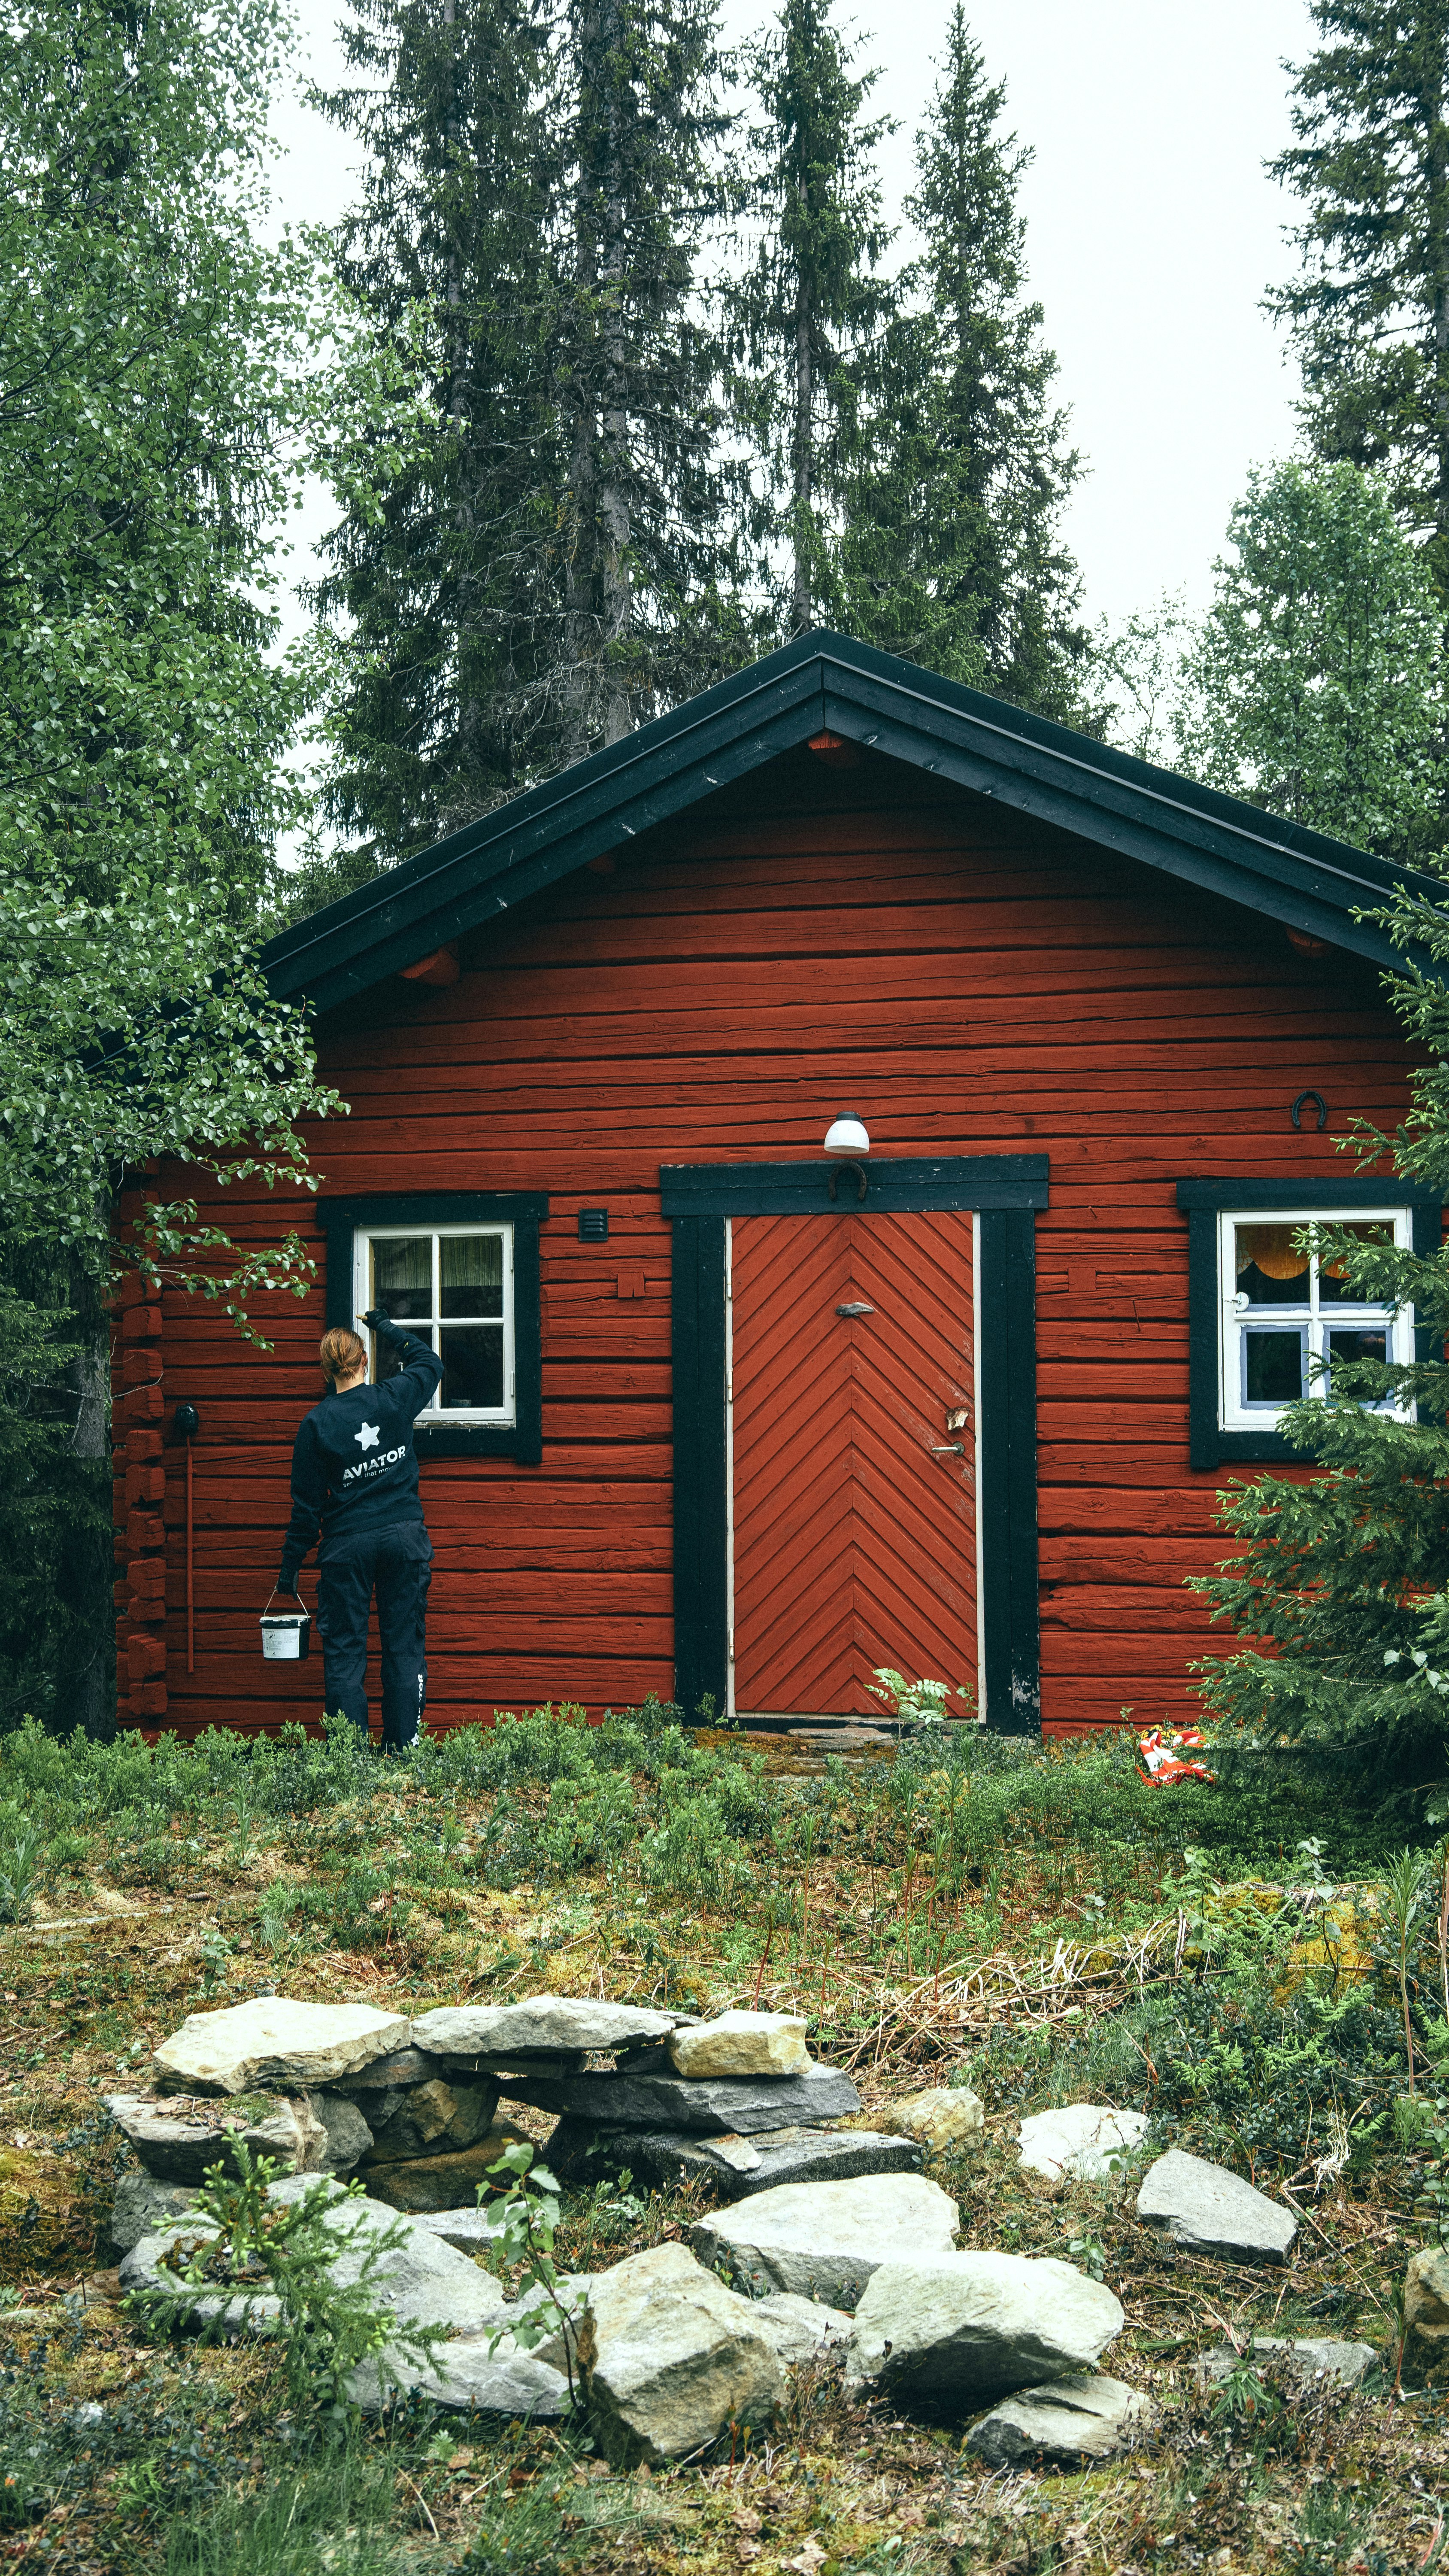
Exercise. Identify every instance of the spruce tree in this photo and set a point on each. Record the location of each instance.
(648, 612)
(546, 573)
(447, 595)
(808, 312)
(1369, 312)
(1337, 1585)
(952, 552)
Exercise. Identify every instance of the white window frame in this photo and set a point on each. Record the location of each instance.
(433, 1414)
(1233, 1413)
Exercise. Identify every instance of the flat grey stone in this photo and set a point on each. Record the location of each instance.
(1305, 2362)
(423, 2281)
(741, 2043)
(1208, 2210)
(398, 2072)
(290, 2187)
(143, 2205)
(547, 2023)
(467, 2229)
(1079, 2140)
(1069, 2419)
(176, 2142)
(738, 2166)
(272, 2044)
(956, 2329)
(717, 2106)
(799, 2329)
(825, 2239)
(470, 2375)
(233, 2313)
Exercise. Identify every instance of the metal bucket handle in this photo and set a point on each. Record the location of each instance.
(271, 1597)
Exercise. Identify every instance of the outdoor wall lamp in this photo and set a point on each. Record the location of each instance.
(846, 1137)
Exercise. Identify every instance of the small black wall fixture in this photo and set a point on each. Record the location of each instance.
(593, 1225)
(1295, 1112)
(859, 1171)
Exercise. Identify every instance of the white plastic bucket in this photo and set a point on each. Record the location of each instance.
(286, 1636)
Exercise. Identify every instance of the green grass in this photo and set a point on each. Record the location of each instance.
(910, 1907)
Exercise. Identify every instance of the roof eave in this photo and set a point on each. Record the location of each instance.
(1303, 879)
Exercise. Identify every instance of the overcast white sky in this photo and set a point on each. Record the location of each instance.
(1152, 235)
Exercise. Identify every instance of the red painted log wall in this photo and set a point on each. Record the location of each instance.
(810, 940)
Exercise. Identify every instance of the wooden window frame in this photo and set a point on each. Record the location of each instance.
(501, 1417)
(1308, 1317)
(1003, 1192)
(1206, 1201)
(431, 1212)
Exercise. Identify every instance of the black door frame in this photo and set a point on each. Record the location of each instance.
(1004, 1191)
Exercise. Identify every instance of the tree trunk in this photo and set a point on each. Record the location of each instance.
(599, 586)
(801, 603)
(616, 601)
(466, 793)
(85, 1692)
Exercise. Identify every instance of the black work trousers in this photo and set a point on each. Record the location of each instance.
(397, 1564)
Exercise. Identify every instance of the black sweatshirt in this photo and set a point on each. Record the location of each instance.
(354, 1468)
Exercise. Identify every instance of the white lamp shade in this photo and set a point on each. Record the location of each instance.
(846, 1135)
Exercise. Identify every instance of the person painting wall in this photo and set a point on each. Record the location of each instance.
(355, 1478)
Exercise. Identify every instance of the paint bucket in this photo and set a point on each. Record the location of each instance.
(286, 1634)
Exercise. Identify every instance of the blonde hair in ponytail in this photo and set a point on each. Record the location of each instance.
(342, 1354)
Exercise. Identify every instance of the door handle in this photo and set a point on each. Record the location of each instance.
(950, 1449)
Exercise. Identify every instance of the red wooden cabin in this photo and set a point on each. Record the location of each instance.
(723, 1412)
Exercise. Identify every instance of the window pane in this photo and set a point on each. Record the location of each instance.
(1345, 1347)
(390, 1361)
(1273, 1367)
(472, 1367)
(402, 1276)
(1267, 1270)
(1334, 1288)
(472, 1274)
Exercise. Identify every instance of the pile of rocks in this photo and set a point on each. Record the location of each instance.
(321, 2088)
(738, 2099)
(831, 2237)
(412, 2108)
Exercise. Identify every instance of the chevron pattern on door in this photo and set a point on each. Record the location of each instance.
(854, 1545)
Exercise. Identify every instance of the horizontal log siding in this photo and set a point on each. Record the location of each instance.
(972, 986)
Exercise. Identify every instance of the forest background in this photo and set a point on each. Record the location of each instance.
(615, 374)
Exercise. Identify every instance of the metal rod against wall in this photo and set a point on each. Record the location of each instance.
(190, 1638)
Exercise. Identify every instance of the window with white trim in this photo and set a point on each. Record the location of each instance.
(1287, 1319)
(452, 1286)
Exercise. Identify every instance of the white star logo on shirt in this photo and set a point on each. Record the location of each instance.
(369, 1436)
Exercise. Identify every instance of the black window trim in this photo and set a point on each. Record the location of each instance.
(525, 1211)
(1204, 1200)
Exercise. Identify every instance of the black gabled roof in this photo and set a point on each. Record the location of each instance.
(822, 682)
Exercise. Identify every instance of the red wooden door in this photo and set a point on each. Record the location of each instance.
(854, 1544)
